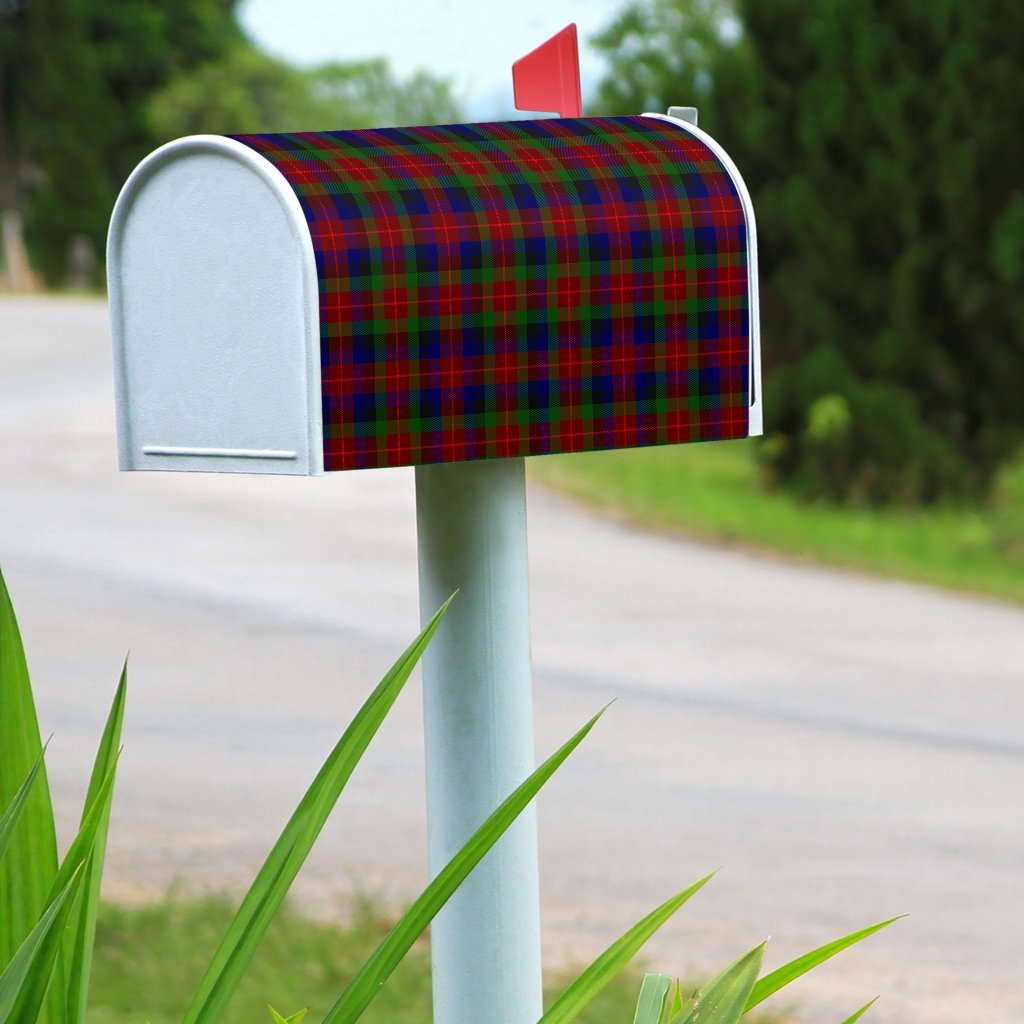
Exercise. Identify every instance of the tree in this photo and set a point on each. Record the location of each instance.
(877, 141)
(58, 132)
(88, 87)
(249, 91)
(663, 53)
(74, 82)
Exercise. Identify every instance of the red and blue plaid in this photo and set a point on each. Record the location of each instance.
(522, 287)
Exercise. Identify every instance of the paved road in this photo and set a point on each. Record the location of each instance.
(846, 748)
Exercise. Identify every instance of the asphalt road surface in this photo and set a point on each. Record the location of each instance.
(845, 748)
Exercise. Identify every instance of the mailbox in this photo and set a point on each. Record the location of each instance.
(295, 303)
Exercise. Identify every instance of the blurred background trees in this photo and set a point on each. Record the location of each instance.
(89, 87)
(247, 87)
(880, 140)
(76, 78)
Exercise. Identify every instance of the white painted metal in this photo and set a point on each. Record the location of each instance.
(214, 315)
(688, 114)
(478, 711)
(756, 406)
(218, 453)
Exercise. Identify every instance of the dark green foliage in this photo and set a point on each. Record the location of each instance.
(88, 87)
(879, 141)
(1008, 511)
(62, 189)
(138, 48)
(76, 77)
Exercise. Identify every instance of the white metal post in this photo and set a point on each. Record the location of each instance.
(478, 712)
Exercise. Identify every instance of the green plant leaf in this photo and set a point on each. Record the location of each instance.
(295, 1018)
(675, 1006)
(372, 975)
(82, 929)
(73, 866)
(282, 864)
(651, 1003)
(723, 1000)
(24, 981)
(28, 870)
(782, 976)
(84, 843)
(17, 805)
(853, 1018)
(594, 978)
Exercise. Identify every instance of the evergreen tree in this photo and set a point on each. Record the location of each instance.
(88, 87)
(75, 79)
(63, 119)
(881, 144)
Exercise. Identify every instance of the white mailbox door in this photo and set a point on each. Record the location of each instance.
(214, 305)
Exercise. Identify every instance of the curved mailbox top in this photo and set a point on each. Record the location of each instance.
(503, 289)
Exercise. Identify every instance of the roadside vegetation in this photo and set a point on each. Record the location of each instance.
(149, 958)
(715, 492)
(890, 224)
(52, 948)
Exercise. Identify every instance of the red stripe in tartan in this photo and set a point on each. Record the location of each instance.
(521, 288)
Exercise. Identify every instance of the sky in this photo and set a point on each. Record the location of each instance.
(471, 42)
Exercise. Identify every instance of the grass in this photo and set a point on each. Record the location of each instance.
(713, 491)
(149, 958)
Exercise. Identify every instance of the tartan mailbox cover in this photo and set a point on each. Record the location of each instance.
(339, 300)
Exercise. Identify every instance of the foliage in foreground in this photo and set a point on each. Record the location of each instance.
(48, 913)
(49, 909)
(150, 956)
(726, 998)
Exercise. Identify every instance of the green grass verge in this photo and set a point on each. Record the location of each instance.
(713, 491)
(149, 959)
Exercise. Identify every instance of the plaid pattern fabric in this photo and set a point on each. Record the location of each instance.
(522, 287)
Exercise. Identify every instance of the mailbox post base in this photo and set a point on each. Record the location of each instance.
(478, 719)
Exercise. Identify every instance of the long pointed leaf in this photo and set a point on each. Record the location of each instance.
(651, 1003)
(282, 864)
(28, 870)
(30, 968)
(782, 976)
(572, 1001)
(84, 843)
(72, 866)
(675, 1006)
(854, 1017)
(372, 975)
(295, 1018)
(17, 805)
(723, 999)
(82, 931)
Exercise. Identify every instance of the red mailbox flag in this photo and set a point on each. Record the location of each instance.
(548, 78)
